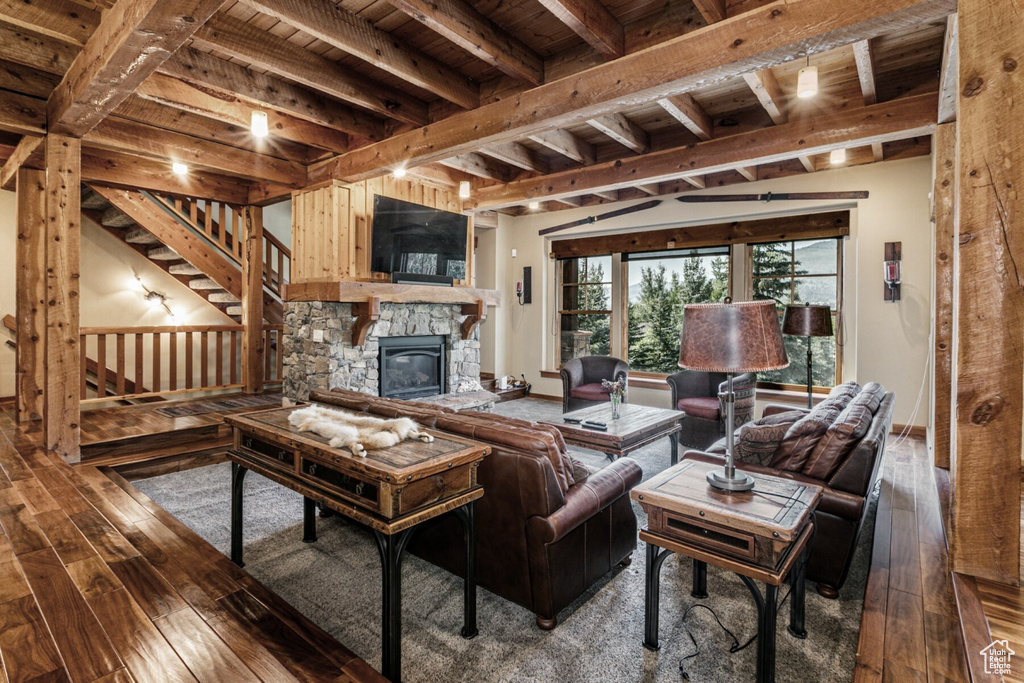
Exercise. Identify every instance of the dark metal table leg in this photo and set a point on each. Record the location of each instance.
(391, 548)
(308, 520)
(797, 592)
(700, 580)
(237, 477)
(767, 606)
(674, 439)
(652, 589)
(467, 515)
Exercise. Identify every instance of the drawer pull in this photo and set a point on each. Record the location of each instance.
(312, 469)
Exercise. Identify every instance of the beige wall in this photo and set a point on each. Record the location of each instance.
(885, 342)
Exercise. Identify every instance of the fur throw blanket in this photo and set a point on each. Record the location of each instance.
(354, 432)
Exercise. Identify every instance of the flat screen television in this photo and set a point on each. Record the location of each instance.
(418, 240)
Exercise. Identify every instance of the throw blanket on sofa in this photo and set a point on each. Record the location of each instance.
(356, 433)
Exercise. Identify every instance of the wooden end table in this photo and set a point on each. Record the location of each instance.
(391, 491)
(761, 535)
(636, 427)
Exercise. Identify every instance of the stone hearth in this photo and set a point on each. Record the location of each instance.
(335, 362)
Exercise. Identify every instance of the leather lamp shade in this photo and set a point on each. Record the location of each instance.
(734, 338)
(807, 321)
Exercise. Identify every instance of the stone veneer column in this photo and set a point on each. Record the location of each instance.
(334, 362)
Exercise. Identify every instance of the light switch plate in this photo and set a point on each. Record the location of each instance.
(318, 335)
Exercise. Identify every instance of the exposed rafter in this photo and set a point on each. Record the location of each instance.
(948, 73)
(140, 173)
(568, 145)
(695, 180)
(22, 115)
(688, 112)
(480, 166)
(518, 155)
(748, 172)
(351, 33)
(623, 131)
(769, 93)
(865, 60)
(591, 21)
(58, 19)
(29, 48)
(806, 162)
(711, 10)
(29, 147)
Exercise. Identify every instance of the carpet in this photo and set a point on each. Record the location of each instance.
(212, 406)
(336, 583)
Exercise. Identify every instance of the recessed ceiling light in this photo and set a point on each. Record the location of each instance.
(807, 82)
(533, 206)
(179, 168)
(259, 125)
(399, 172)
(837, 156)
(464, 189)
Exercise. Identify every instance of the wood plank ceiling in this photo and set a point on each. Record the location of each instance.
(565, 102)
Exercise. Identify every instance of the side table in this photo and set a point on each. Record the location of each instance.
(761, 535)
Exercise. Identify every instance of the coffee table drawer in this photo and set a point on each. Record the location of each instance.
(267, 452)
(366, 493)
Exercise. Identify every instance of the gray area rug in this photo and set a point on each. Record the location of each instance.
(336, 583)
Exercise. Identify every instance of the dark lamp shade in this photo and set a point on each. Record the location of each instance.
(740, 337)
(807, 321)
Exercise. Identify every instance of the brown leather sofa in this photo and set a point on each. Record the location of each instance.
(847, 474)
(544, 533)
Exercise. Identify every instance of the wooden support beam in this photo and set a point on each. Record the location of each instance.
(748, 172)
(29, 148)
(948, 73)
(591, 21)
(989, 366)
(877, 152)
(252, 300)
(518, 155)
(435, 174)
(37, 51)
(61, 418)
(688, 112)
(359, 37)
(221, 79)
(651, 190)
(568, 145)
(806, 162)
(22, 115)
(669, 68)
(865, 70)
(711, 10)
(121, 135)
(944, 210)
(30, 296)
(462, 24)
(898, 119)
(366, 314)
(140, 173)
(480, 166)
(26, 80)
(475, 314)
(268, 51)
(623, 131)
(609, 195)
(132, 40)
(570, 201)
(769, 93)
(59, 19)
(695, 180)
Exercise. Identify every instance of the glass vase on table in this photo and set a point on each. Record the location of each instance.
(616, 400)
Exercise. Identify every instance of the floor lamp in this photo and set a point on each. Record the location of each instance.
(807, 320)
(731, 338)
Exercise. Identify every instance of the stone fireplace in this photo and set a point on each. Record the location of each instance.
(335, 362)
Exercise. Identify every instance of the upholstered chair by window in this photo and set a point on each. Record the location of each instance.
(700, 395)
(581, 380)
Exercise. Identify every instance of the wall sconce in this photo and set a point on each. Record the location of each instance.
(154, 298)
(893, 271)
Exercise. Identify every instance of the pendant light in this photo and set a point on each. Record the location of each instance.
(464, 189)
(179, 168)
(807, 81)
(258, 124)
(837, 156)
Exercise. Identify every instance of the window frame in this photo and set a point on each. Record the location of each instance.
(560, 286)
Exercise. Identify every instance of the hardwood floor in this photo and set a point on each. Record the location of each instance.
(1004, 609)
(98, 583)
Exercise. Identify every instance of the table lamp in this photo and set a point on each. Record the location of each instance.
(731, 338)
(807, 320)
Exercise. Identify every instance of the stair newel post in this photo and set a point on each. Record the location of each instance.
(252, 299)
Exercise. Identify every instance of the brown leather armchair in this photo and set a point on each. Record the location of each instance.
(581, 380)
(699, 394)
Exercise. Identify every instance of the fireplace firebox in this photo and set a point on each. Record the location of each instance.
(412, 366)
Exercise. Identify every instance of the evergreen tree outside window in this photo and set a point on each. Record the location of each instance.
(585, 306)
(800, 272)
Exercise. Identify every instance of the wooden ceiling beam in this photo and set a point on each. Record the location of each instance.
(121, 135)
(948, 77)
(865, 60)
(26, 80)
(462, 24)
(748, 172)
(623, 131)
(766, 87)
(609, 195)
(30, 147)
(711, 10)
(568, 145)
(177, 94)
(359, 37)
(22, 115)
(518, 155)
(591, 21)
(268, 51)
(649, 189)
(687, 111)
(478, 165)
(898, 119)
(228, 78)
(570, 201)
(140, 173)
(751, 41)
(806, 162)
(133, 39)
(35, 50)
(435, 174)
(695, 180)
(60, 19)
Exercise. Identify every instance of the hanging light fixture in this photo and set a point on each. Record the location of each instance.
(807, 81)
(179, 168)
(258, 124)
(837, 156)
(399, 172)
(464, 189)
(533, 206)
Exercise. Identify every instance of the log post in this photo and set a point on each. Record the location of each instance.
(252, 299)
(30, 296)
(63, 237)
(989, 370)
(944, 198)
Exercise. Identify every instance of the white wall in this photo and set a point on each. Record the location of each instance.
(885, 342)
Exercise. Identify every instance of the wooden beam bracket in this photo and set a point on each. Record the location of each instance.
(475, 314)
(366, 313)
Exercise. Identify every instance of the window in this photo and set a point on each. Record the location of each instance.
(660, 284)
(806, 271)
(585, 306)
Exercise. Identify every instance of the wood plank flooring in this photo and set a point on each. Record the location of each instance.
(1004, 609)
(98, 583)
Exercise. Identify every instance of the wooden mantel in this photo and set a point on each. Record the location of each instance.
(386, 292)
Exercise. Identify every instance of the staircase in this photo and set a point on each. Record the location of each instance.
(194, 240)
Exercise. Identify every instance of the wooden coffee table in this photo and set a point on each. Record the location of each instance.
(636, 427)
(761, 535)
